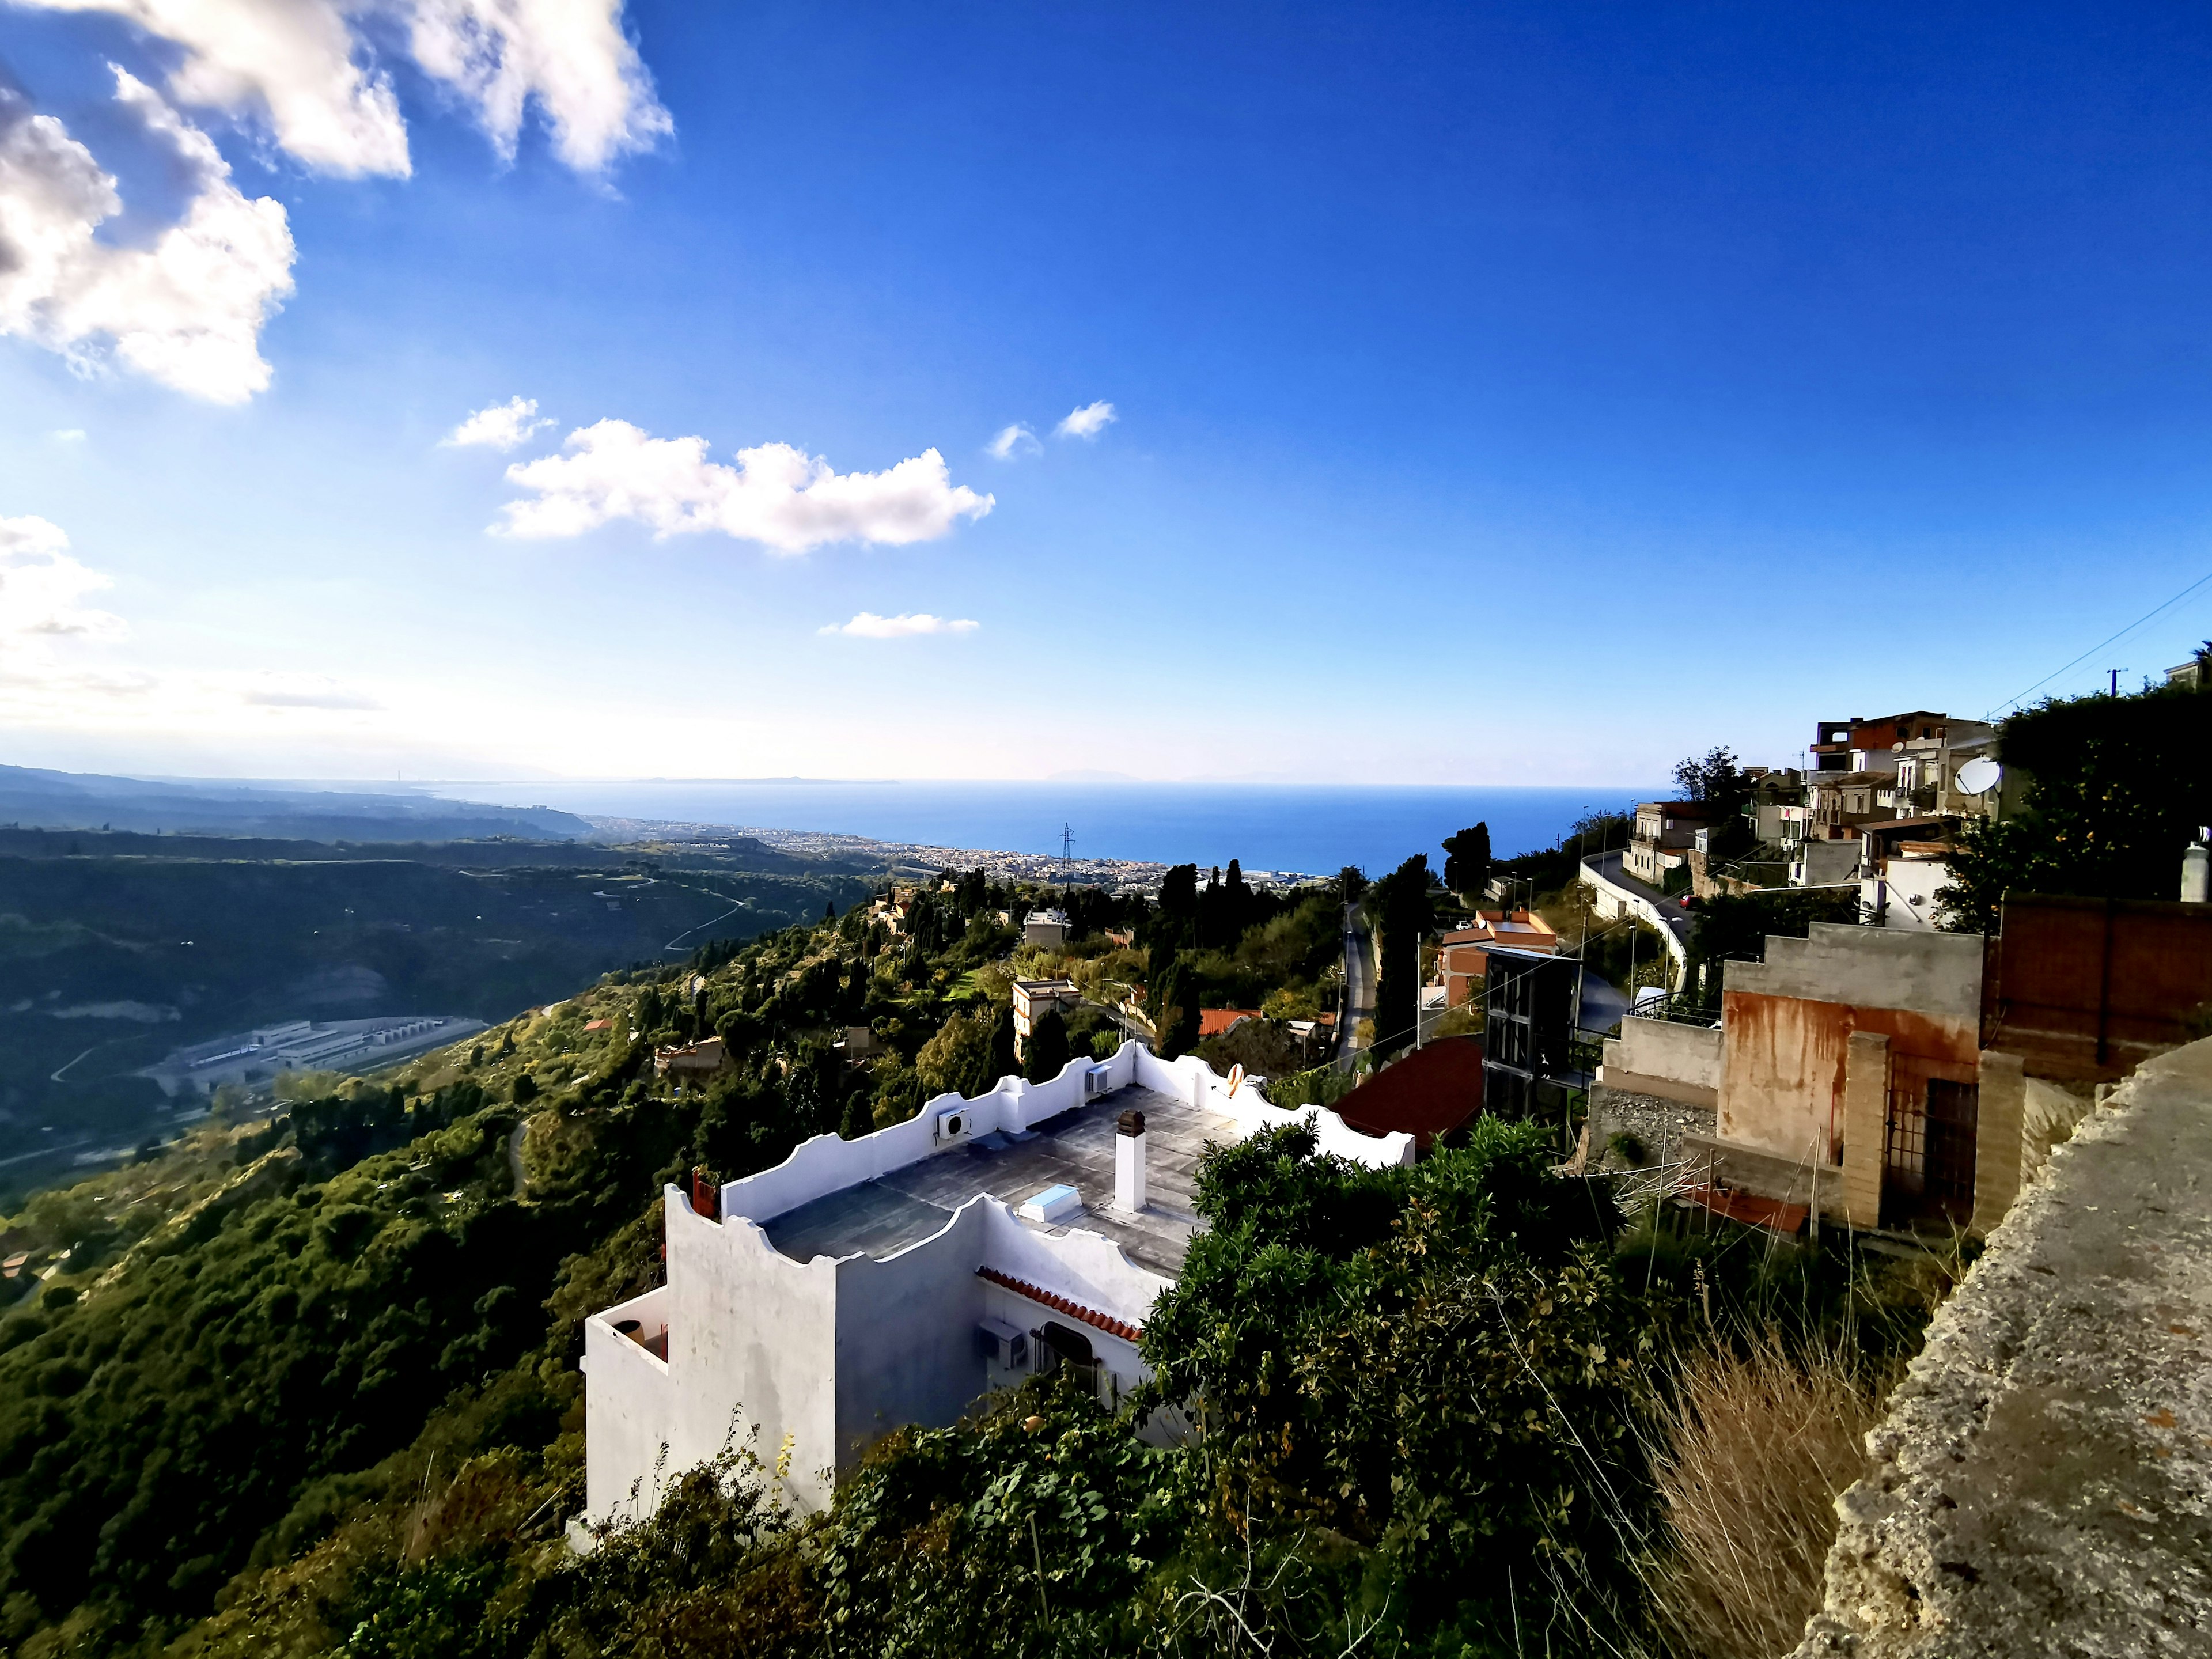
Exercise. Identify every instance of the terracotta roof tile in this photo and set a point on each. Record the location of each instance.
(1091, 1317)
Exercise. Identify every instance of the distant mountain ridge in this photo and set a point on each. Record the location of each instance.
(33, 798)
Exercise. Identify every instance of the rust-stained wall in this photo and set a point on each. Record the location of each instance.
(1781, 1075)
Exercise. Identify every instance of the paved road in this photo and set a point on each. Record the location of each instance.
(1359, 986)
(514, 1159)
(1679, 921)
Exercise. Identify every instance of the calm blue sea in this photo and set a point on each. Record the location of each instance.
(1317, 829)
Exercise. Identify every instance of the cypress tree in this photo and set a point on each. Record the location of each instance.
(1048, 1047)
(1466, 862)
(1402, 905)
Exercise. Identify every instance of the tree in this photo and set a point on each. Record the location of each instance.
(1714, 777)
(1173, 1002)
(2115, 788)
(1047, 1050)
(951, 1060)
(1402, 904)
(1467, 861)
(1352, 882)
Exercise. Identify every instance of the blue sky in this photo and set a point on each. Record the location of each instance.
(1500, 394)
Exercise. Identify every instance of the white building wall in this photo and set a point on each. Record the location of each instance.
(752, 1343)
(906, 1335)
(829, 1355)
(627, 1410)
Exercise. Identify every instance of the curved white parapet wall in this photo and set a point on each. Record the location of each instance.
(1192, 1079)
(828, 1164)
(1626, 898)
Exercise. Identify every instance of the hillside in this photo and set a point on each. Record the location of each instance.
(309, 1386)
(116, 949)
(31, 798)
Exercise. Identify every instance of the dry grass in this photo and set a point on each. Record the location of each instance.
(1751, 1455)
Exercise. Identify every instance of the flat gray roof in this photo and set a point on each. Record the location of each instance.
(1076, 1149)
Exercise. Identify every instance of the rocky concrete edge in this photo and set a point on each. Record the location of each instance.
(1892, 1587)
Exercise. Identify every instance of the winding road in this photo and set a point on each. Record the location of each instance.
(1359, 988)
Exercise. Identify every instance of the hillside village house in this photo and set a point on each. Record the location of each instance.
(691, 1061)
(1462, 952)
(1031, 998)
(1903, 864)
(1665, 831)
(1046, 929)
(863, 1285)
(1846, 1075)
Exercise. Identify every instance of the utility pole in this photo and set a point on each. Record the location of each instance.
(2115, 673)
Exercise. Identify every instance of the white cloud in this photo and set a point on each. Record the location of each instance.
(502, 426)
(1016, 439)
(40, 586)
(775, 494)
(1087, 421)
(869, 626)
(290, 62)
(69, 434)
(301, 68)
(274, 691)
(572, 57)
(186, 309)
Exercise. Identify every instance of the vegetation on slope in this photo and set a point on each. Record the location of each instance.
(309, 1386)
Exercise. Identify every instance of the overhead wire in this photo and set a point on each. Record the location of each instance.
(2101, 644)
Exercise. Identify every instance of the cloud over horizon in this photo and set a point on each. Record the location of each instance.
(498, 426)
(869, 626)
(283, 691)
(186, 309)
(1087, 421)
(776, 495)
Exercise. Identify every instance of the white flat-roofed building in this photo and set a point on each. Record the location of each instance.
(1045, 928)
(864, 1285)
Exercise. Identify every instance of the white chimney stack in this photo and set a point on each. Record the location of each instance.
(2196, 870)
(1129, 1162)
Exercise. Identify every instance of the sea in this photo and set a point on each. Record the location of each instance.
(1314, 829)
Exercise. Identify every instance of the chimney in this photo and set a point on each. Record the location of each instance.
(2197, 870)
(1129, 1161)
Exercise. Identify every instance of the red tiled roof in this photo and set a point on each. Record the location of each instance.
(1212, 1021)
(598, 1025)
(1428, 1094)
(1091, 1317)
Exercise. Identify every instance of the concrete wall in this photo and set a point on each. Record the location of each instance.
(1904, 895)
(628, 1411)
(906, 1334)
(1610, 898)
(753, 1342)
(1782, 1079)
(830, 1163)
(1824, 863)
(1659, 1057)
(1935, 974)
(1192, 1079)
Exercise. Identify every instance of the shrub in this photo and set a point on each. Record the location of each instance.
(1751, 1453)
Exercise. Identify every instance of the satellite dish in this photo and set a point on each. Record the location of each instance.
(1979, 775)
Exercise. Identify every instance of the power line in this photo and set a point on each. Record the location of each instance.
(2101, 644)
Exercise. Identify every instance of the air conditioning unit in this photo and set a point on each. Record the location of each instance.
(1003, 1344)
(1098, 1081)
(952, 1125)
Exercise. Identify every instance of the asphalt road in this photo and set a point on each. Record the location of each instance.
(1679, 921)
(1359, 986)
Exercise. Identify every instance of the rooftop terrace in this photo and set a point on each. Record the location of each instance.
(882, 1217)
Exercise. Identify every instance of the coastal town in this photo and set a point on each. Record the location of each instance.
(1140, 832)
